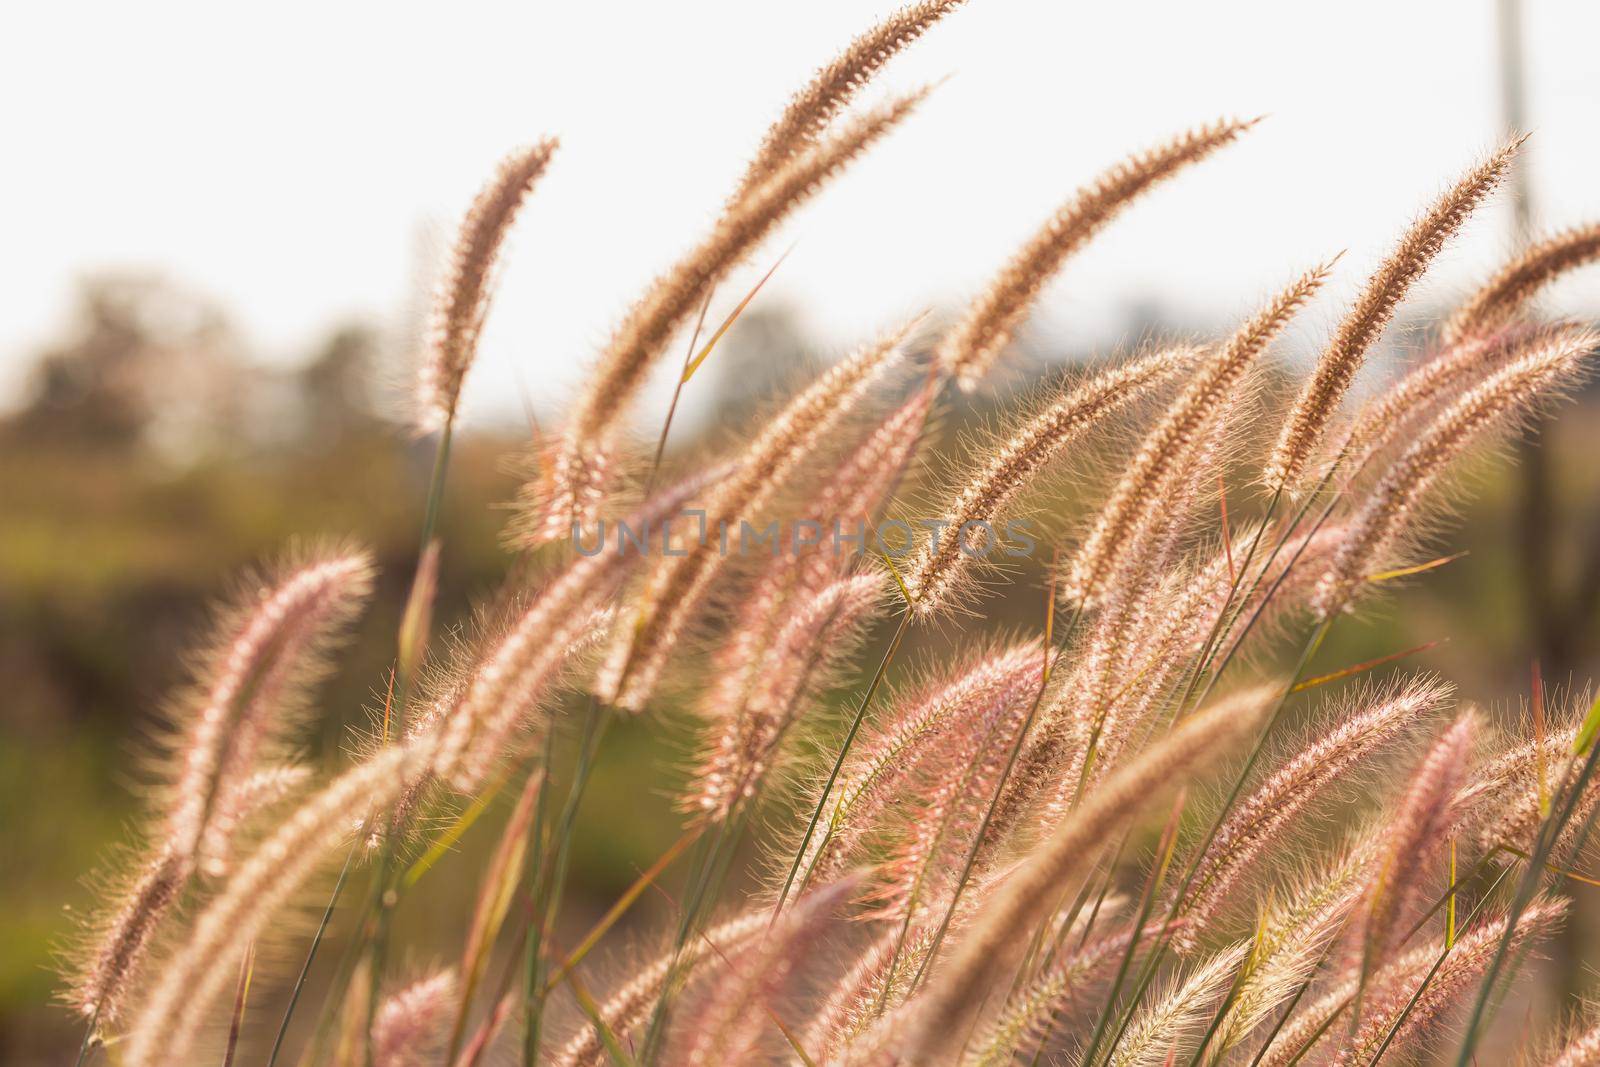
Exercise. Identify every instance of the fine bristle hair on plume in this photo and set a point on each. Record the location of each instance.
(166, 1026)
(919, 727)
(1336, 369)
(1412, 1001)
(1293, 937)
(464, 297)
(1504, 297)
(515, 674)
(1258, 823)
(1013, 463)
(820, 631)
(1395, 412)
(678, 584)
(947, 1006)
(1176, 1020)
(1553, 362)
(1415, 824)
(1504, 805)
(815, 107)
(1580, 1050)
(973, 345)
(1021, 1024)
(1417, 988)
(266, 652)
(629, 1006)
(579, 469)
(1182, 427)
(408, 1030)
(725, 1023)
(252, 677)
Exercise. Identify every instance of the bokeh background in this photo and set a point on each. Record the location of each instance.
(222, 225)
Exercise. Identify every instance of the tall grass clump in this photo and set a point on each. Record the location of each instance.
(1126, 837)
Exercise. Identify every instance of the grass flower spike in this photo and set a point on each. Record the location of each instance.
(463, 301)
(1320, 398)
(970, 348)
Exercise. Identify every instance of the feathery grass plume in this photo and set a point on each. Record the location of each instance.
(1181, 615)
(1309, 1026)
(1322, 394)
(251, 679)
(1048, 757)
(879, 979)
(483, 731)
(943, 1012)
(99, 985)
(677, 585)
(1150, 612)
(942, 806)
(1463, 964)
(1179, 429)
(1515, 817)
(803, 657)
(575, 478)
(270, 786)
(463, 299)
(1136, 648)
(410, 1027)
(918, 728)
(850, 498)
(856, 492)
(629, 1007)
(724, 1022)
(314, 603)
(1176, 1020)
(1481, 804)
(871, 473)
(510, 679)
(1364, 723)
(971, 347)
(1394, 414)
(1135, 652)
(1553, 362)
(1022, 1023)
(166, 1025)
(871, 1021)
(814, 108)
(1286, 590)
(1507, 799)
(1499, 302)
(1582, 1050)
(1415, 828)
(1291, 940)
(849, 1027)
(1141, 644)
(848, 1009)
(983, 497)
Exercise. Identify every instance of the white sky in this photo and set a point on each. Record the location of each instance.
(286, 157)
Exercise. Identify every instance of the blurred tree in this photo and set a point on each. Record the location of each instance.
(335, 396)
(765, 353)
(147, 361)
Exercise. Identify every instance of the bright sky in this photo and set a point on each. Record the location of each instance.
(288, 158)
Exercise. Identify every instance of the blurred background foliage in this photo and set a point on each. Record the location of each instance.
(153, 460)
